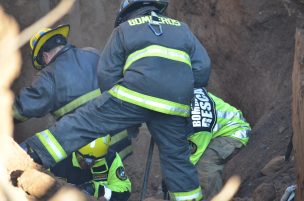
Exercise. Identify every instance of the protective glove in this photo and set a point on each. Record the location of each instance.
(31, 152)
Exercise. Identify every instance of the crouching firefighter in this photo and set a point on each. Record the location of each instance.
(145, 76)
(96, 170)
(217, 131)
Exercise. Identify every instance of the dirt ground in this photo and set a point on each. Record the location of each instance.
(251, 45)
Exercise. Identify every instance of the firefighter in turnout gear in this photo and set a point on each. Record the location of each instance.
(218, 131)
(66, 80)
(97, 170)
(146, 76)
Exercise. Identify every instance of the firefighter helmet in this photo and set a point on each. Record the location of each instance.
(96, 149)
(128, 6)
(41, 37)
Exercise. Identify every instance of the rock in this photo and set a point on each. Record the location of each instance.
(273, 166)
(265, 192)
(37, 187)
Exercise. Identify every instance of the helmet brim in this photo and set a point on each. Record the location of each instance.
(63, 30)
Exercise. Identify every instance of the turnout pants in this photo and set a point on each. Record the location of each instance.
(211, 165)
(107, 114)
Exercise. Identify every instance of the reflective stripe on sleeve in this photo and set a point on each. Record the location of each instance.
(158, 51)
(76, 103)
(52, 145)
(187, 196)
(150, 102)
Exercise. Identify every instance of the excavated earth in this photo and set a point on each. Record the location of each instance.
(251, 45)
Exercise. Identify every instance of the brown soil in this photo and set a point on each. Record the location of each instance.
(251, 44)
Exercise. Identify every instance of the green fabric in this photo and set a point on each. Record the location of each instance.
(76, 103)
(114, 183)
(158, 51)
(97, 185)
(201, 140)
(230, 123)
(52, 145)
(149, 102)
(74, 160)
(196, 195)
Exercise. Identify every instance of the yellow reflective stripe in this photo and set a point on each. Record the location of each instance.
(52, 145)
(126, 151)
(119, 136)
(187, 196)
(17, 115)
(76, 103)
(158, 51)
(150, 102)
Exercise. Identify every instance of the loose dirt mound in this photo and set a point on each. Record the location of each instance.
(251, 44)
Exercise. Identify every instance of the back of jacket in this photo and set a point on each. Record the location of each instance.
(74, 74)
(71, 75)
(166, 66)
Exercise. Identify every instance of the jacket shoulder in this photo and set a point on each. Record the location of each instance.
(90, 50)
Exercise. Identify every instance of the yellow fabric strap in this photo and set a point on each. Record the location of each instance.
(126, 151)
(52, 145)
(150, 102)
(74, 160)
(119, 136)
(76, 103)
(158, 51)
(97, 185)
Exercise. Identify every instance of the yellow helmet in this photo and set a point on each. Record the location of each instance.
(97, 149)
(41, 37)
